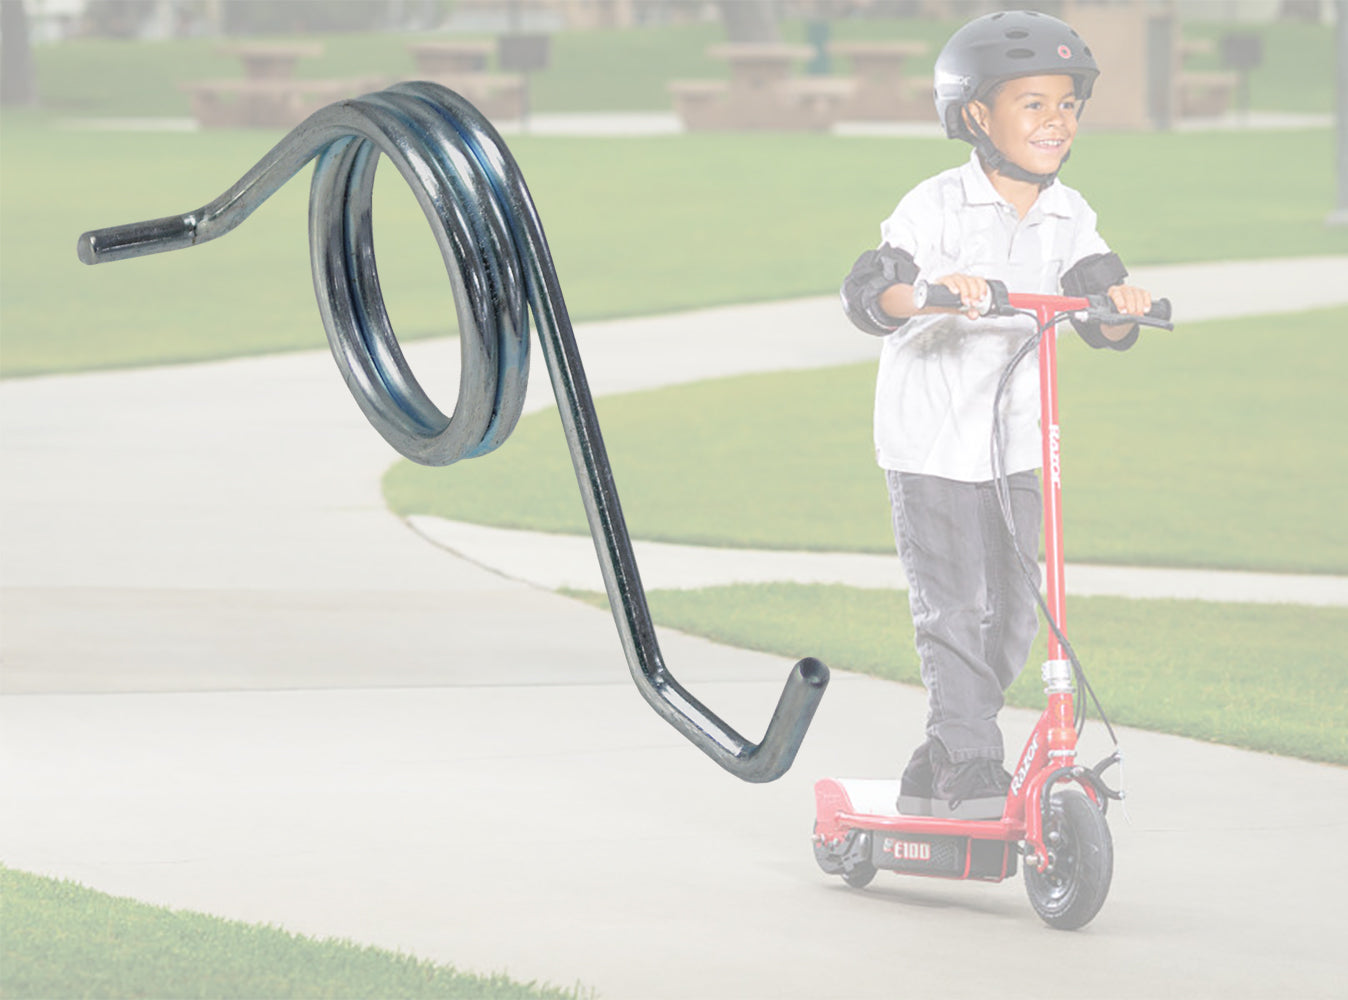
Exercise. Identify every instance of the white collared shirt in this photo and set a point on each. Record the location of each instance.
(938, 374)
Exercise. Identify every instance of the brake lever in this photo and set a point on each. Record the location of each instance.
(1102, 311)
(1118, 319)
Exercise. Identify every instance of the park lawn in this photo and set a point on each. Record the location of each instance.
(1220, 445)
(638, 226)
(64, 940)
(1258, 676)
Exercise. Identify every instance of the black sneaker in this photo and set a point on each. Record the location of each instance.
(915, 785)
(969, 789)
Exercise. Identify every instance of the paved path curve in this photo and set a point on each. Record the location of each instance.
(234, 682)
(557, 561)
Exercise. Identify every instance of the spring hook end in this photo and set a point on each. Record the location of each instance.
(137, 239)
(801, 697)
(813, 673)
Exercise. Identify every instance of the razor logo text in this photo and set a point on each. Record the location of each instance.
(1026, 763)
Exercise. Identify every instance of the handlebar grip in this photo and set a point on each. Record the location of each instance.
(927, 293)
(1160, 309)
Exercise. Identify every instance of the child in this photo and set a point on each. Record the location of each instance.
(1012, 84)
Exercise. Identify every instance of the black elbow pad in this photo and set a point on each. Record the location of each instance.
(1095, 275)
(873, 272)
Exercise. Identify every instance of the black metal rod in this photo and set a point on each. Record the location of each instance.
(500, 267)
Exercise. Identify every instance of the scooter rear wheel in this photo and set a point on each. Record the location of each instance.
(860, 875)
(1070, 893)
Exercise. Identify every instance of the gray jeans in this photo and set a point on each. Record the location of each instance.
(974, 616)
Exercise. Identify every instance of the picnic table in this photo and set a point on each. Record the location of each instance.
(885, 90)
(269, 95)
(1202, 93)
(758, 68)
(447, 58)
(269, 103)
(763, 91)
(271, 60)
(463, 67)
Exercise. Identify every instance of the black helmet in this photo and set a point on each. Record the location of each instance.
(998, 47)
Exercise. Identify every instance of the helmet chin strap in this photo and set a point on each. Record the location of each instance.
(994, 159)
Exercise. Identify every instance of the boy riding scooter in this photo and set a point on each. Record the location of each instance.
(1013, 85)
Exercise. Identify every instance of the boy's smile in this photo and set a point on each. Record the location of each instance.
(1031, 120)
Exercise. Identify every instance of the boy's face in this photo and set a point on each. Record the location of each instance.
(1032, 121)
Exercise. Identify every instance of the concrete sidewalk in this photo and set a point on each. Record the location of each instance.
(233, 681)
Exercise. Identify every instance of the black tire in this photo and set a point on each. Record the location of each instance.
(1070, 893)
(860, 875)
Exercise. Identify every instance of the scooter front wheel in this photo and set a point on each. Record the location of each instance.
(1081, 863)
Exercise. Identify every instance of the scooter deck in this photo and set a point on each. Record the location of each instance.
(871, 803)
(857, 823)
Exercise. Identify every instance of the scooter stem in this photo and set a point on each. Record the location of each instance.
(1054, 565)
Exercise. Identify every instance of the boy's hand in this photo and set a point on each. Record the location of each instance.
(1127, 299)
(1130, 299)
(973, 292)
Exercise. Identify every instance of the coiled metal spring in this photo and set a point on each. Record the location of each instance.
(499, 266)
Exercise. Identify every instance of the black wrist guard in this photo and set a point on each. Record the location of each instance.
(1095, 275)
(873, 272)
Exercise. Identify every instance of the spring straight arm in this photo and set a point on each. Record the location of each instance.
(499, 265)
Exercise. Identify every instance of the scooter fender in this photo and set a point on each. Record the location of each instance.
(1036, 807)
(1036, 853)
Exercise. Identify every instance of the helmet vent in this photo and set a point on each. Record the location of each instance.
(1017, 33)
(1020, 53)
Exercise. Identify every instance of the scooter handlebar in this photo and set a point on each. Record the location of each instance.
(1103, 310)
(1160, 309)
(938, 296)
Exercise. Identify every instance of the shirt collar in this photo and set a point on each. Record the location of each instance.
(978, 190)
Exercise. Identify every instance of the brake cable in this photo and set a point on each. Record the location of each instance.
(1002, 480)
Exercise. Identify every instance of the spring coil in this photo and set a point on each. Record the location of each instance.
(499, 266)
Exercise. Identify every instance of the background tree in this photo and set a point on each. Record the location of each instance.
(17, 86)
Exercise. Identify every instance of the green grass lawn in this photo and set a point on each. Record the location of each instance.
(64, 940)
(1220, 445)
(1263, 677)
(638, 226)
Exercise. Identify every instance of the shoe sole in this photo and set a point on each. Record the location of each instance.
(989, 808)
(914, 805)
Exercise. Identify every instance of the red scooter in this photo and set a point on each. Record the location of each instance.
(1054, 817)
